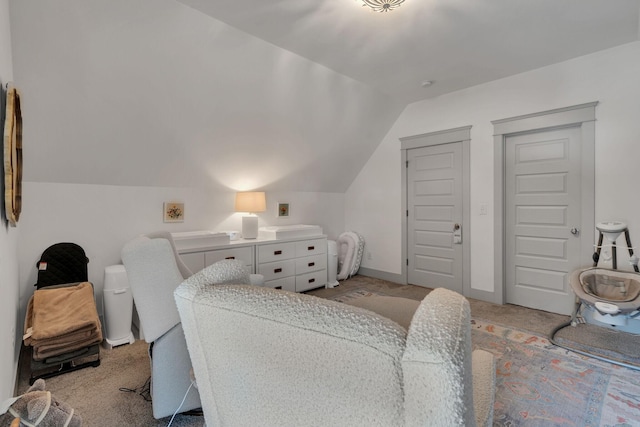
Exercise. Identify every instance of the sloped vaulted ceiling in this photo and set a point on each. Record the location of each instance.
(154, 93)
(457, 43)
(273, 94)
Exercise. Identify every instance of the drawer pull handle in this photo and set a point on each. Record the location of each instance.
(312, 280)
(311, 264)
(230, 257)
(278, 287)
(277, 270)
(277, 252)
(310, 248)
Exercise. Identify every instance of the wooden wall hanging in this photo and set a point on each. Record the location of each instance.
(13, 156)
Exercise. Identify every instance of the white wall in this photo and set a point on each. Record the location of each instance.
(10, 323)
(102, 218)
(372, 202)
(155, 93)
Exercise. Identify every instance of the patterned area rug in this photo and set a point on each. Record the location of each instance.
(539, 384)
(355, 293)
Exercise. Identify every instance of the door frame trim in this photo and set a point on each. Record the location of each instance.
(582, 116)
(462, 135)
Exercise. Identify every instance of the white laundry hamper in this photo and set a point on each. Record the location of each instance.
(117, 307)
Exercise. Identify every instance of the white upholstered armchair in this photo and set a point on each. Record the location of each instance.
(276, 358)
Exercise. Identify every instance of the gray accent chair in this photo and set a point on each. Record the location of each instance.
(155, 270)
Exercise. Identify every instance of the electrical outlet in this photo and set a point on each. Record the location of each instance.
(369, 256)
(483, 208)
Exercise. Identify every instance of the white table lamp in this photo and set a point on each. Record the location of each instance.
(251, 202)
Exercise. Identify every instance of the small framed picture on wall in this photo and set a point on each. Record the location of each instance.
(173, 212)
(283, 209)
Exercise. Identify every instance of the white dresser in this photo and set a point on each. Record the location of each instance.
(296, 264)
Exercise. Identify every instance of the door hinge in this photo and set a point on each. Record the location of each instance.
(407, 164)
(407, 261)
(407, 212)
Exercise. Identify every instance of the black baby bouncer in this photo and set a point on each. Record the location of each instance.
(62, 325)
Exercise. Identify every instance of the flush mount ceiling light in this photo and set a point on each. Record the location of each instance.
(382, 5)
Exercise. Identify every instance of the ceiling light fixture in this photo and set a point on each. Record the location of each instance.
(382, 5)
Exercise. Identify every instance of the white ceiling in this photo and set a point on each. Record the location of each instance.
(455, 43)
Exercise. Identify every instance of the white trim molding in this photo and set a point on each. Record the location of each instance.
(582, 116)
(463, 135)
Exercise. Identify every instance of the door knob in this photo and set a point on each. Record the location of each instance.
(575, 231)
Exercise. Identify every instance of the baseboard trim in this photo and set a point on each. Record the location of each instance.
(482, 295)
(382, 275)
(24, 357)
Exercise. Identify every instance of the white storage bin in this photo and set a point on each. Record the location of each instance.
(117, 307)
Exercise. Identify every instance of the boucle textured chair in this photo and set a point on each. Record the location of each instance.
(276, 358)
(154, 270)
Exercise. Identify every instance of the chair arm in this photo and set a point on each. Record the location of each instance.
(437, 363)
(484, 386)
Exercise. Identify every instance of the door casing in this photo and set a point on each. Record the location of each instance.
(582, 116)
(462, 135)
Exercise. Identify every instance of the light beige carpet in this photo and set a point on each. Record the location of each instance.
(95, 393)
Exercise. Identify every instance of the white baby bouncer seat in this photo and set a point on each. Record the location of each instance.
(350, 250)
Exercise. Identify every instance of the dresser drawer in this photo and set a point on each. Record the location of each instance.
(243, 254)
(276, 251)
(278, 269)
(286, 283)
(307, 281)
(311, 247)
(311, 263)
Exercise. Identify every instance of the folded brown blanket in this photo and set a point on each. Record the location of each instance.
(42, 351)
(62, 319)
(65, 343)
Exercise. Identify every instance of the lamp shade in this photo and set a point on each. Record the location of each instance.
(251, 201)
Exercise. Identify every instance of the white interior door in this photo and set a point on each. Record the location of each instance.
(542, 216)
(434, 208)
